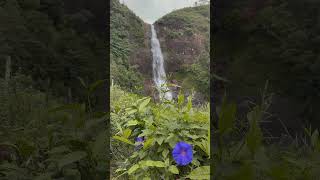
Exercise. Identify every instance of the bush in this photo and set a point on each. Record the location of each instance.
(159, 127)
(46, 139)
(244, 153)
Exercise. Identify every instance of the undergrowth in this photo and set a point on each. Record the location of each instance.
(161, 125)
(44, 138)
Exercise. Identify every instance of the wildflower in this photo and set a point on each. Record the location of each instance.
(139, 143)
(182, 153)
(139, 139)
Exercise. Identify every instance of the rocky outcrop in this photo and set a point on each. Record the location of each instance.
(184, 39)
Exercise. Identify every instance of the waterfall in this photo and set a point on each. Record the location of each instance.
(159, 74)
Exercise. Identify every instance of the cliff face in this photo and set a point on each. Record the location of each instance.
(184, 39)
(141, 58)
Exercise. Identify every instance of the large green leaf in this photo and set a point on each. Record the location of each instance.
(173, 169)
(165, 153)
(94, 85)
(200, 173)
(160, 139)
(59, 150)
(254, 135)
(219, 78)
(150, 163)
(180, 99)
(130, 111)
(148, 143)
(143, 104)
(99, 145)
(227, 117)
(189, 105)
(125, 140)
(82, 82)
(133, 169)
(127, 133)
(132, 122)
(315, 141)
(71, 158)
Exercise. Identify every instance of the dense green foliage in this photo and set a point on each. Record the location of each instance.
(41, 138)
(126, 35)
(271, 40)
(186, 46)
(51, 126)
(53, 42)
(242, 152)
(163, 125)
(256, 41)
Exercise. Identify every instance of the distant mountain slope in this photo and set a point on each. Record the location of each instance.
(184, 38)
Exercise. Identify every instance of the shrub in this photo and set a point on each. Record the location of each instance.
(46, 139)
(159, 127)
(244, 153)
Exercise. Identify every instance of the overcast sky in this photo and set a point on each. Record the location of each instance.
(152, 10)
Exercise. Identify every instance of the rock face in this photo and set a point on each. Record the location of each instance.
(184, 39)
(141, 58)
(181, 51)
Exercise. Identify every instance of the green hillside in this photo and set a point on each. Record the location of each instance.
(53, 43)
(185, 41)
(51, 55)
(130, 49)
(272, 41)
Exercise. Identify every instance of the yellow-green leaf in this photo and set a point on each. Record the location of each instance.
(148, 143)
(200, 173)
(125, 140)
(133, 169)
(132, 123)
(173, 169)
(165, 153)
(150, 163)
(144, 104)
(127, 133)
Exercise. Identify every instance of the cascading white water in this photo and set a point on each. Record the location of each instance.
(159, 74)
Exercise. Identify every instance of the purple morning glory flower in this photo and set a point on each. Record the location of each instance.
(139, 139)
(139, 143)
(182, 153)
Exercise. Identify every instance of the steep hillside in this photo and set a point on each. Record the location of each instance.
(53, 43)
(184, 39)
(276, 41)
(45, 109)
(130, 49)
